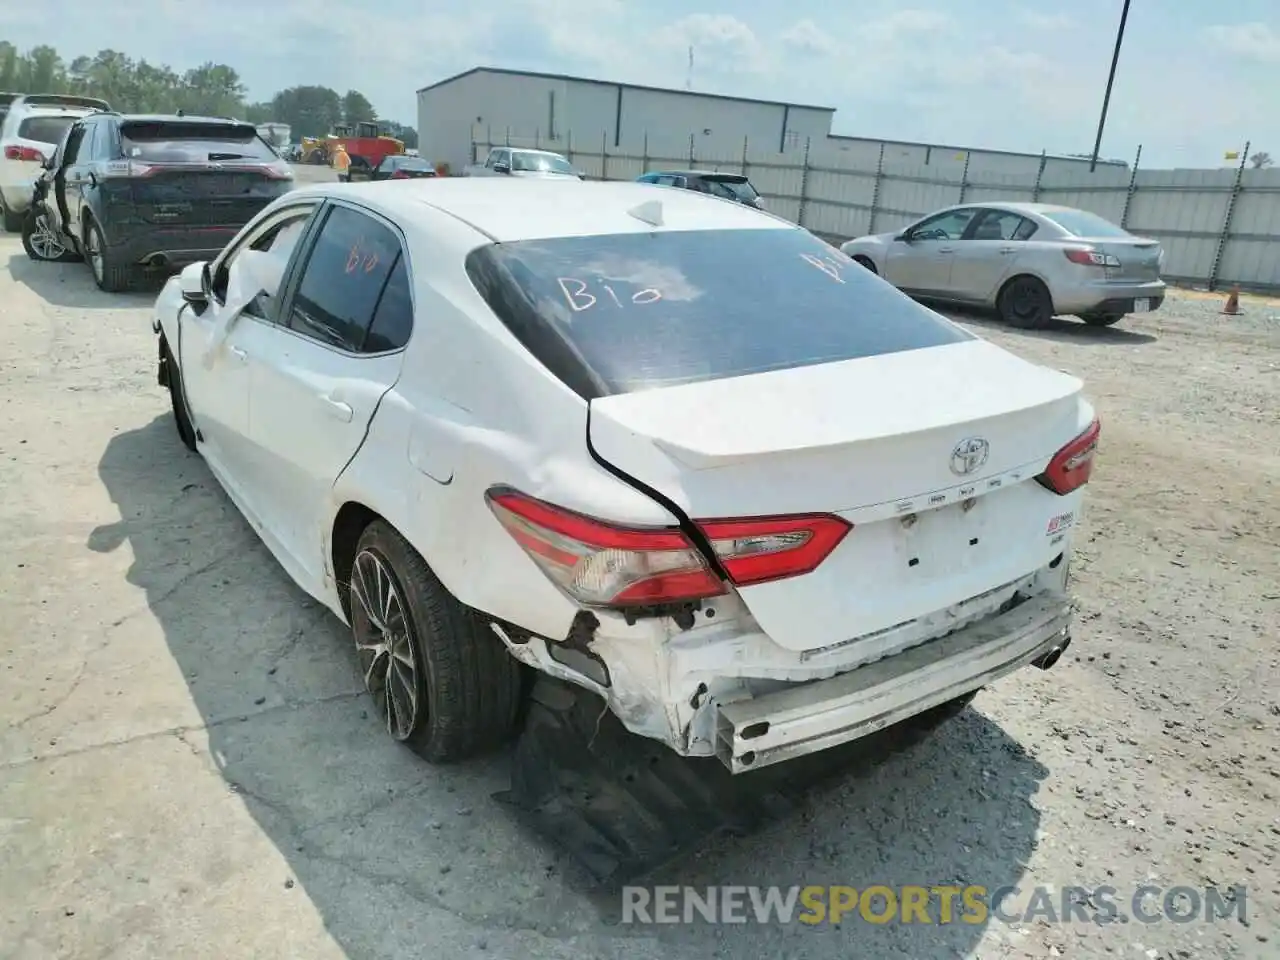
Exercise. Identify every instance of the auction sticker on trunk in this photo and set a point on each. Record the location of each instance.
(1059, 523)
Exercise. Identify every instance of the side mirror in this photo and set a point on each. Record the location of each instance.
(194, 281)
(502, 168)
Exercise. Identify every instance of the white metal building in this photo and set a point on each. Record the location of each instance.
(490, 105)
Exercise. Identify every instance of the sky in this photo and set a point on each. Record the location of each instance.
(1196, 78)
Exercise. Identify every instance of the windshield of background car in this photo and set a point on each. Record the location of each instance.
(1080, 223)
(45, 129)
(162, 142)
(410, 163)
(628, 312)
(540, 163)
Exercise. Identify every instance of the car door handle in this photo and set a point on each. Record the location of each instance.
(339, 408)
(946, 249)
(1006, 249)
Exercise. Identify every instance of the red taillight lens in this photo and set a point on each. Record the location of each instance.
(1072, 466)
(399, 175)
(607, 565)
(601, 564)
(28, 154)
(1090, 258)
(770, 548)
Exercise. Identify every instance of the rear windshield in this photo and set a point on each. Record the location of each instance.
(736, 190)
(45, 129)
(193, 142)
(540, 162)
(1081, 223)
(630, 312)
(411, 163)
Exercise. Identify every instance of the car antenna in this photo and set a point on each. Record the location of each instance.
(649, 212)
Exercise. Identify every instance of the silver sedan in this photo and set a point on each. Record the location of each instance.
(1029, 261)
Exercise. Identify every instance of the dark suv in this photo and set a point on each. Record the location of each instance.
(134, 192)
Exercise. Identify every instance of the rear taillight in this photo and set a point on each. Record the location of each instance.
(771, 548)
(399, 175)
(1072, 466)
(29, 154)
(607, 565)
(1090, 258)
(278, 170)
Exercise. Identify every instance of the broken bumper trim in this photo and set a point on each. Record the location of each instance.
(814, 716)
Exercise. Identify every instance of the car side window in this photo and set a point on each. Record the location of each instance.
(279, 238)
(1025, 230)
(997, 225)
(393, 317)
(342, 283)
(89, 146)
(945, 226)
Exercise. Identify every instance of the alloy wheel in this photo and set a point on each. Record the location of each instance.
(45, 242)
(387, 655)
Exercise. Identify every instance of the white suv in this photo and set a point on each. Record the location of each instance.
(30, 132)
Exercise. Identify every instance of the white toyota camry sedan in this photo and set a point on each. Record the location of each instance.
(671, 450)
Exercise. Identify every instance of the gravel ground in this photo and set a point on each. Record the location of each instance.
(188, 768)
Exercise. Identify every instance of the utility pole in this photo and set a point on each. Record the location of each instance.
(1111, 78)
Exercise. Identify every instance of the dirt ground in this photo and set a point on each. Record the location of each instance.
(189, 769)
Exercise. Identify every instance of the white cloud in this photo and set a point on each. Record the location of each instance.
(805, 36)
(725, 42)
(1253, 41)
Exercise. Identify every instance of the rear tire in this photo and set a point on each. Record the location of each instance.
(443, 682)
(12, 221)
(1025, 303)
(1103, 319)
(865, 262)
(109, 274)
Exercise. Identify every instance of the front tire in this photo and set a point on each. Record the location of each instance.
(1026, 303)
(41, 242)
(443, 682)
(181, 418)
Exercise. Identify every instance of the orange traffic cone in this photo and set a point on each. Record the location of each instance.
(1232, 307)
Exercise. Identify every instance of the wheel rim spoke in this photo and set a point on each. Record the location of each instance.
(383, 644)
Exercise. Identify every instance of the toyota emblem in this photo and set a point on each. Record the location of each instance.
(969, 455)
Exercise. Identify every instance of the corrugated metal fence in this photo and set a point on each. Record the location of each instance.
(1219, 228)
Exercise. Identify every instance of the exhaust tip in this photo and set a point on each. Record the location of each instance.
(1047, 661)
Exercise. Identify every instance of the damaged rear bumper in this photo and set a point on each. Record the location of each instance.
(814, 716)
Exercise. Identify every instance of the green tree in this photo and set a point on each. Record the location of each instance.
(309, 110)
(356, 107)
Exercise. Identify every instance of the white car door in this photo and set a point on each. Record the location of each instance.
(319, 373)
(214, 351)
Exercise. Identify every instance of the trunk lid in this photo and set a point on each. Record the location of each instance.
(1139, 258)
(882, 442)
(198, 195)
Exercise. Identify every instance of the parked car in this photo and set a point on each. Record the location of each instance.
(727, 186)
(524, 163)
(133, 192)
(578, 428)
(1029, 261)
(30, 130)
(396, 167)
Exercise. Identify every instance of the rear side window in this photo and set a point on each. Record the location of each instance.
(159, 142)
(346, 282)
(629, 312)
(733, 190)
(1081, 223)
(45, 129)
